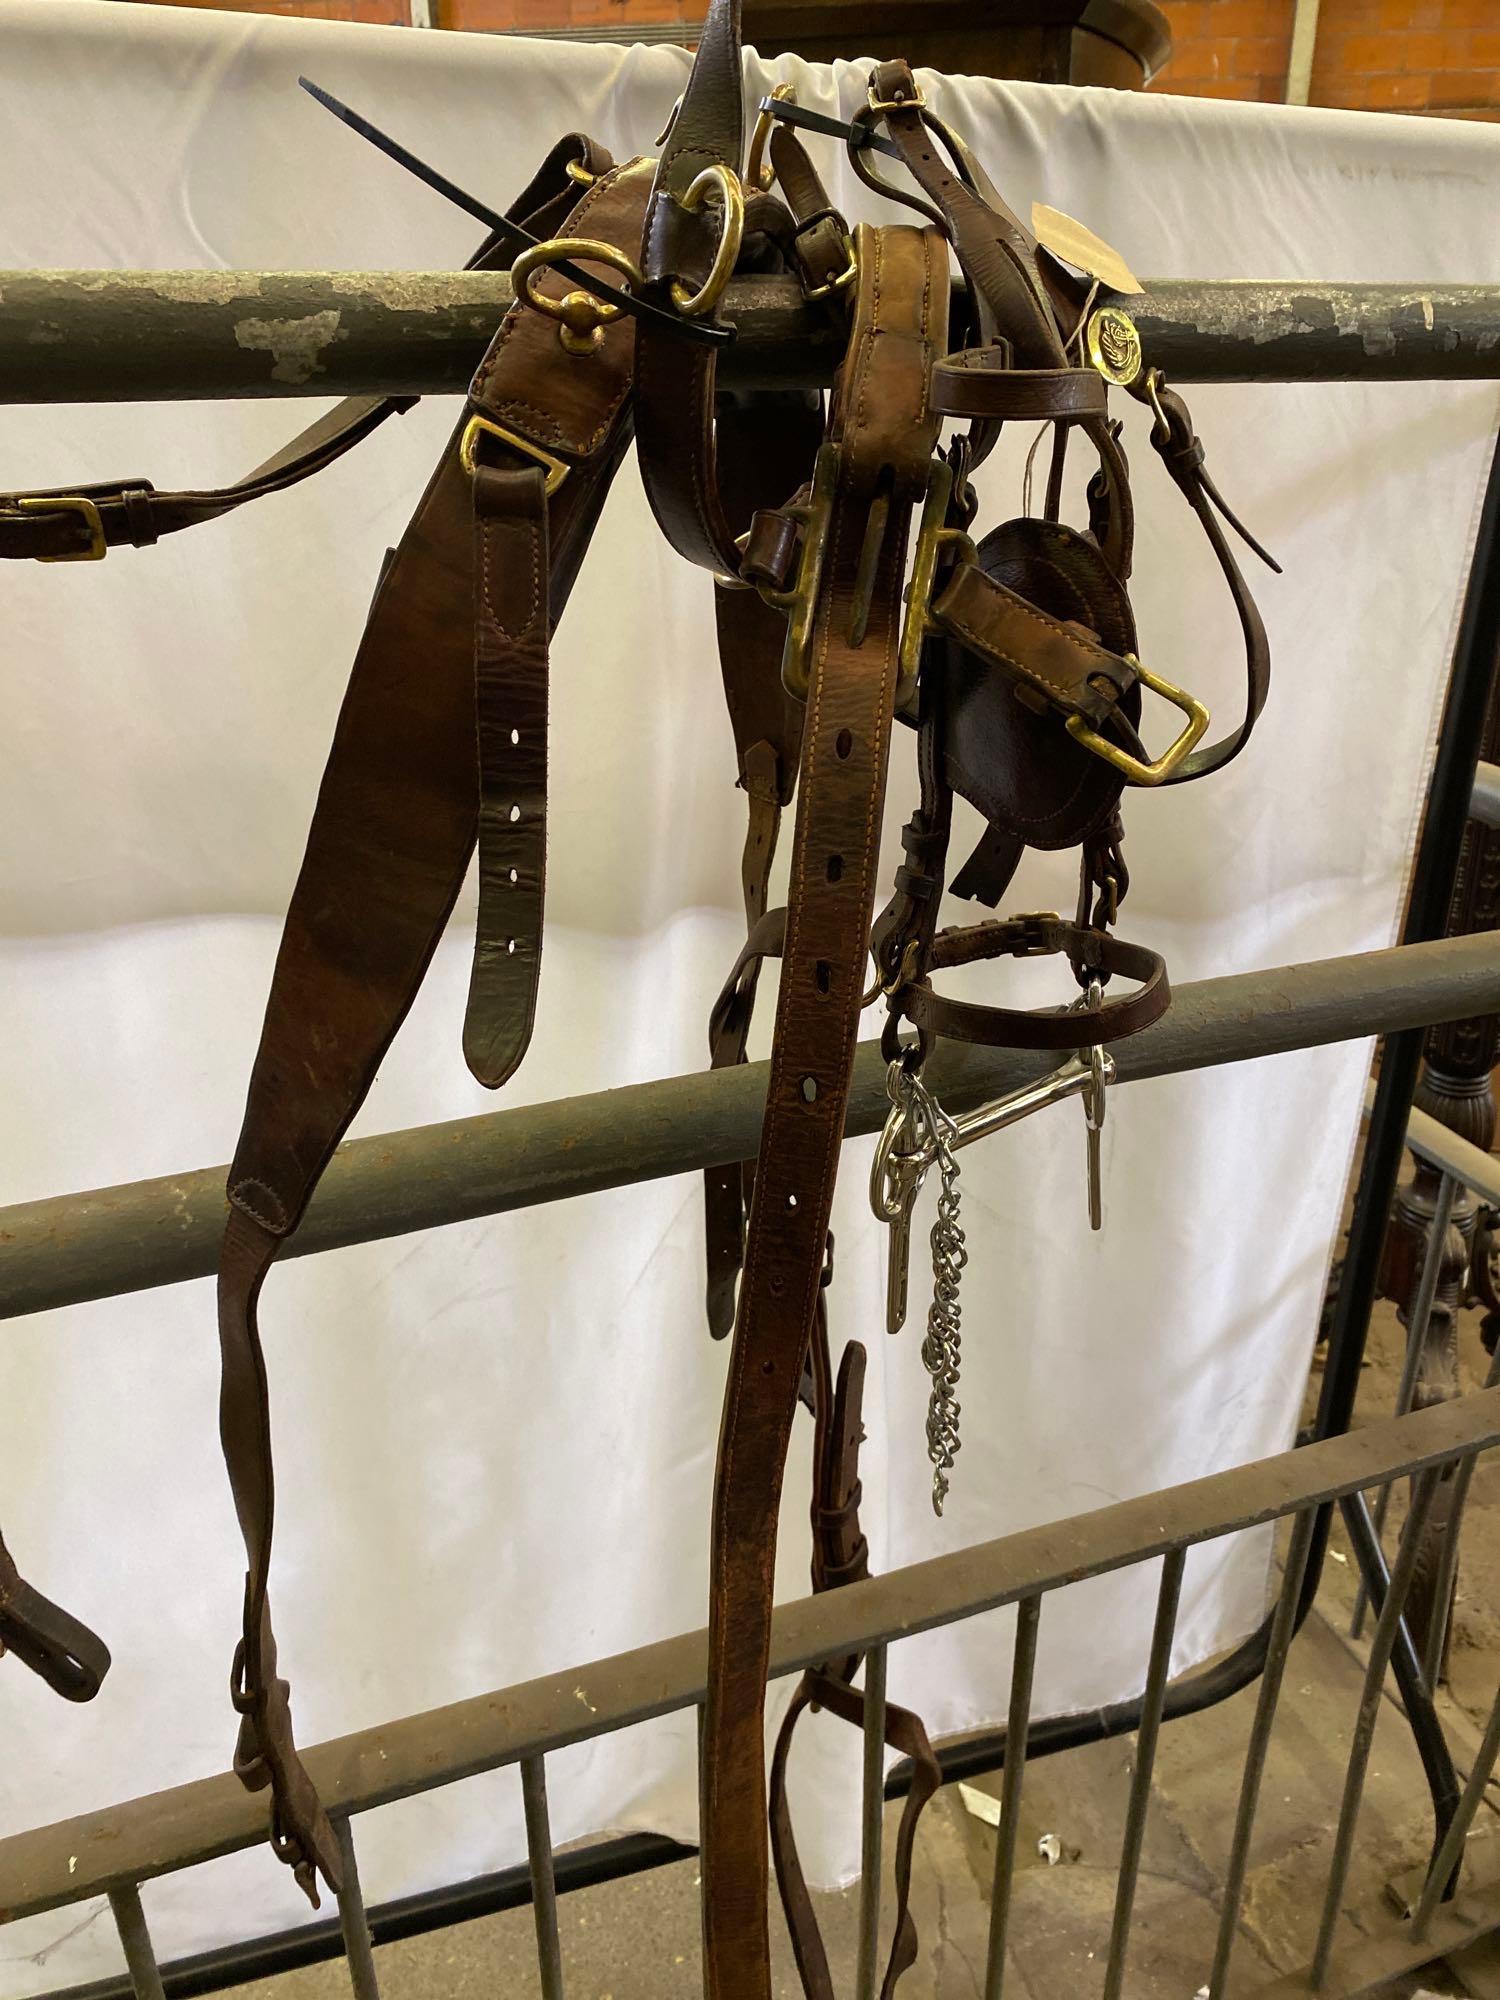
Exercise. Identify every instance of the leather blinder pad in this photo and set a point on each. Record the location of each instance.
(1005, 748)
(510, 683)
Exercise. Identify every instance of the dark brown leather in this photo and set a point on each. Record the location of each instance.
(1092, 953)
(392, 833)
(1003, 745)
(70, 1658)
(981, 382)
(1060, 658)
(767, 445)
(131, 512)
(840, 1556)
(883, 436)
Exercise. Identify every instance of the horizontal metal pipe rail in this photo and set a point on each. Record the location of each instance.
(69, 1248)
(161, 336)
(112, 1852)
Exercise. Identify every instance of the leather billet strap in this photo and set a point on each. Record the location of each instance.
(841, 1556)
(881, 436)
(458, 603)
(81, 523)
(1092, 953)
(70, 1658)
(1063, 662)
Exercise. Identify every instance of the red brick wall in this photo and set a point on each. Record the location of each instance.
(1228, 48)
(1380, 55)
(1434, 56)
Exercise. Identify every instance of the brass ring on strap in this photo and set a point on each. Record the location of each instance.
(759, 173)
(582, 314)
(721, 180)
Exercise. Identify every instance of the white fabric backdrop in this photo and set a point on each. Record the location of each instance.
(495, 1441)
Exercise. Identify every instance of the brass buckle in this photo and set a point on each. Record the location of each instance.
(845, 278)
(801, 602)
(1136, 772)
(68, 503)
(933, 537)
(726, 183)
(916, 103)
(478, 427)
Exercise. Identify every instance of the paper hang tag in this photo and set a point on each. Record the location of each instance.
(1081, 248)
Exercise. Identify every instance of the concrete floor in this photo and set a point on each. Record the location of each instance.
(637, 1939)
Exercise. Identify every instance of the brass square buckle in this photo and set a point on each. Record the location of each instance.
(1137, 772)
(916, 102)
(801, 602)
(478, 427)
(933, 537)
(69, 503)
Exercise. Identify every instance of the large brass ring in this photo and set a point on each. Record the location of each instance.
(717, 179)
(581, 313)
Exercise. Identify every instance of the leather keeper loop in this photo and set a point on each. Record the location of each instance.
(981, 383)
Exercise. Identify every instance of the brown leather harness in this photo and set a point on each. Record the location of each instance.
(1014, 658)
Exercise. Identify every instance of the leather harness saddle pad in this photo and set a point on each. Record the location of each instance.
(851, 595)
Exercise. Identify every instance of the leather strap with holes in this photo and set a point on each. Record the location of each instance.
(70, 1658)
(461, 610)
(882, 435)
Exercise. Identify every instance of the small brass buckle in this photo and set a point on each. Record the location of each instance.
(933, 537)
(915, 103)
(723, 181)
(845, 278)
(478, 427)
(1136, 772)
(801, 602)
(69, 503)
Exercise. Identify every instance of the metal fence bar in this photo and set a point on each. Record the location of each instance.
(1283, 1630)
(1442, 1602)
(135, 1938)
(1007, 1834)
(142, 1838)
(872, 1808)
(1416, 1338)
(359, 1947)
(69, 1248)
(143, 336)
(543, 1881)
(1381, 1646)
(1168, 1597)
(1450, 1853)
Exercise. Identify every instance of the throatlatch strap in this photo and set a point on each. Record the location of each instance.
(882, 436)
